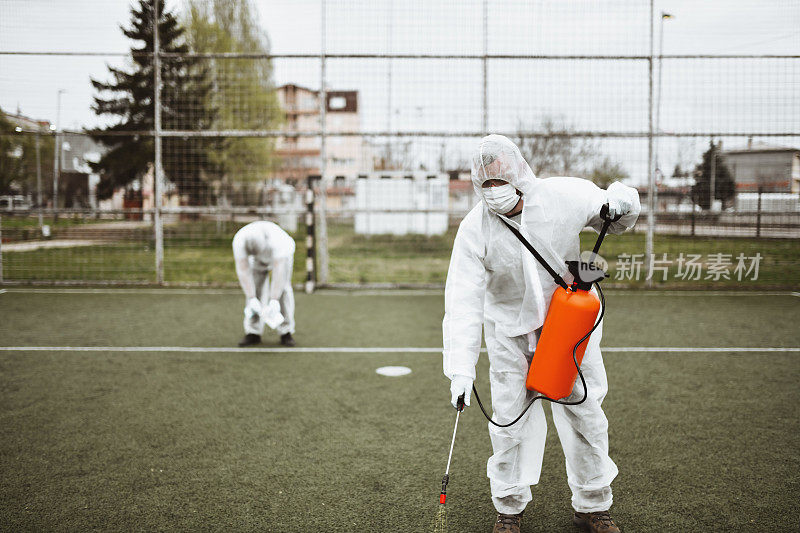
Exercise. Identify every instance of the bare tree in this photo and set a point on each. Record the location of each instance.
(452, 158)
(397, 155)
(559, 152)
(607, 172)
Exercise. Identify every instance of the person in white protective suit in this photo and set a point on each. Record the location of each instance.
(258, 249)
(494, 283)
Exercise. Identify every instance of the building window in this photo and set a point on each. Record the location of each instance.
(337, 102)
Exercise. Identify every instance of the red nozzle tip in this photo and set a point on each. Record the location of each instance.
(442, 498)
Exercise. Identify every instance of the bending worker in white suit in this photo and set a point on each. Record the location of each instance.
(258, 249)
(494, 283)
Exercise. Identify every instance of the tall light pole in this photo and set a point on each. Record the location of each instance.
(664, 16)
(56, 147)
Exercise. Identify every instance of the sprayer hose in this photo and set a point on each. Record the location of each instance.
(574, 359)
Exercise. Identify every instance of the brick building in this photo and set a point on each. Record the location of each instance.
(300, 156)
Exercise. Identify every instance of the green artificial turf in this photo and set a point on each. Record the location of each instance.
(199, 252)
(19, 223)
(318, 442)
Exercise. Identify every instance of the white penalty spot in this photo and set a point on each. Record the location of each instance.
(393, 371)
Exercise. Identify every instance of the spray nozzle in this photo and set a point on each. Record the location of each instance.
(443, 495)
(460, 403)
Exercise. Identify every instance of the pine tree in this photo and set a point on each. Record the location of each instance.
(724, 186)
(184, 106)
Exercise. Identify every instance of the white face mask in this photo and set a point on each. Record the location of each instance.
(501, 199)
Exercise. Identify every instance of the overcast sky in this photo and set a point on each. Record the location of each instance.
(446, 95)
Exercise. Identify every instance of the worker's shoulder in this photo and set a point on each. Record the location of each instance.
(470, 229)
(473, 218)
(560, 183)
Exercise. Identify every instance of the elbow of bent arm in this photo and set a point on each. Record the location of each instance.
(242, 269)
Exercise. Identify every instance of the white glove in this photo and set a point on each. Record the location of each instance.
(619, 207)
(460, 385)
(272, 314)
(252, 309)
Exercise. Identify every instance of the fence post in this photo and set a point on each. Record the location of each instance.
(157, 169)
(310, 273)
(39, 181)
(485, 113)
(758, 213)
(1, 249)
(323, 191)
(651, 178)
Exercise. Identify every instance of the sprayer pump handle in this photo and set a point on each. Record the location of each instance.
(604, 214)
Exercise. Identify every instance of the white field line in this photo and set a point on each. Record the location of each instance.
(624, 292)
(204, 291)
(374, 349)
(380, 292)
(356, 292)
(690, 349)
(88, 290)
(700, 293)
(3, 291)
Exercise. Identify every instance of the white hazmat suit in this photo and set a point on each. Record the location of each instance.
(258, 249)
(496, 284)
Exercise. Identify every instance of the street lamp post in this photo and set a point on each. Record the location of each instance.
(664, 16)
(55, 154)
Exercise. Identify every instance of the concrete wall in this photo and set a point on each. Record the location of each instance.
(402, 190)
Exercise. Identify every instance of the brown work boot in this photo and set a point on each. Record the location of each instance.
(507, 523)
(599, 522)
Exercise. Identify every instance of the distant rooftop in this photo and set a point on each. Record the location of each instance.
(295, 86)
(27, 123)
(761, 147)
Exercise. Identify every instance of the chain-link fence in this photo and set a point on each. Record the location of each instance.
(133, 158)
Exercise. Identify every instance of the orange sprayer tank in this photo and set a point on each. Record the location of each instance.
(570, 317)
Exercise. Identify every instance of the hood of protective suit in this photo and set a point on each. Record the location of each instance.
(499, 158)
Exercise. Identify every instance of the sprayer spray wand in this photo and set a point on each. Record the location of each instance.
(446, 478)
